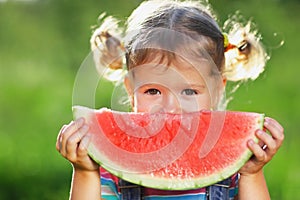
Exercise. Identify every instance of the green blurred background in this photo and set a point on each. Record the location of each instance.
(42, 45)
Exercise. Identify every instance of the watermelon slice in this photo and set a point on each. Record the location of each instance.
(170, 151)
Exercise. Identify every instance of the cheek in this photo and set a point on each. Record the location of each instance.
(144, 103)
(196, 104)
(141, 104)
(206, 103)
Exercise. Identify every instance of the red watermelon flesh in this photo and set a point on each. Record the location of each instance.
(170, 151)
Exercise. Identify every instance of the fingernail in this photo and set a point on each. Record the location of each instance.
(259, 132)
(80, 121)
(251, 142)
(267, 120)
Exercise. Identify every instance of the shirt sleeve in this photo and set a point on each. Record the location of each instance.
(109, 189)
(233, 188)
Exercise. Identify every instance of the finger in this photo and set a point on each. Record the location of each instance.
(269, 141)
(74, 125)
(83, 152)
(68, 131)
(82, 148)
(274, 123)
(73, 142)
(275, 129)
(58, 139)
(63, 128)
(258, 152)
(261, 143)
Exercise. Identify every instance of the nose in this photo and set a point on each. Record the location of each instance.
(171, 103)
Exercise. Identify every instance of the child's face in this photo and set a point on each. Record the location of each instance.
(172, 89)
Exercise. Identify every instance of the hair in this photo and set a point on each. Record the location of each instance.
(171, 29)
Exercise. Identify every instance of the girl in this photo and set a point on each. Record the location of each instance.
(177, 60)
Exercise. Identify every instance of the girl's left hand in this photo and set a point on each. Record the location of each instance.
(266, 148)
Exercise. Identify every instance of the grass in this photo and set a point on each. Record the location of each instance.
(42, 45)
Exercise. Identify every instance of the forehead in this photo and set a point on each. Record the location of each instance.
(175, 72)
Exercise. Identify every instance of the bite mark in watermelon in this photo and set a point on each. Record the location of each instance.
(170, 151)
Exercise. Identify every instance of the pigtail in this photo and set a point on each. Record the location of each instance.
(245, 57)
(108, 50)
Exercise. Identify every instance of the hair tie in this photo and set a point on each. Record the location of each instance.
(226, 41)
(227, 45)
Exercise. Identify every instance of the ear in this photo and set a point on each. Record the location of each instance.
(129, 88)
(224, 81)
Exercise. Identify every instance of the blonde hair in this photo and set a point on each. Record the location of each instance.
(148, 31)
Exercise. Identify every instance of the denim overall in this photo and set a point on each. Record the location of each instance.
(218, 191)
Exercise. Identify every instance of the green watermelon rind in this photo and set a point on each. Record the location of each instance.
(167, 183)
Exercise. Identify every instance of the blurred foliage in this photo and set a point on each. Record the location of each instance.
(42, 45)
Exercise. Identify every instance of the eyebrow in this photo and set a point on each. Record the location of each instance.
(196, 85)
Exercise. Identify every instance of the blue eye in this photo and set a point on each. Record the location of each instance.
(152, 91)
(189, 92)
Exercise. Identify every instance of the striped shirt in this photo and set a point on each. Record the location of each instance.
(109, 190)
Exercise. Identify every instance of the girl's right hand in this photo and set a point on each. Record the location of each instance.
(72, 142)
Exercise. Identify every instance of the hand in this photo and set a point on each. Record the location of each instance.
(72, 142)
(266, 148)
